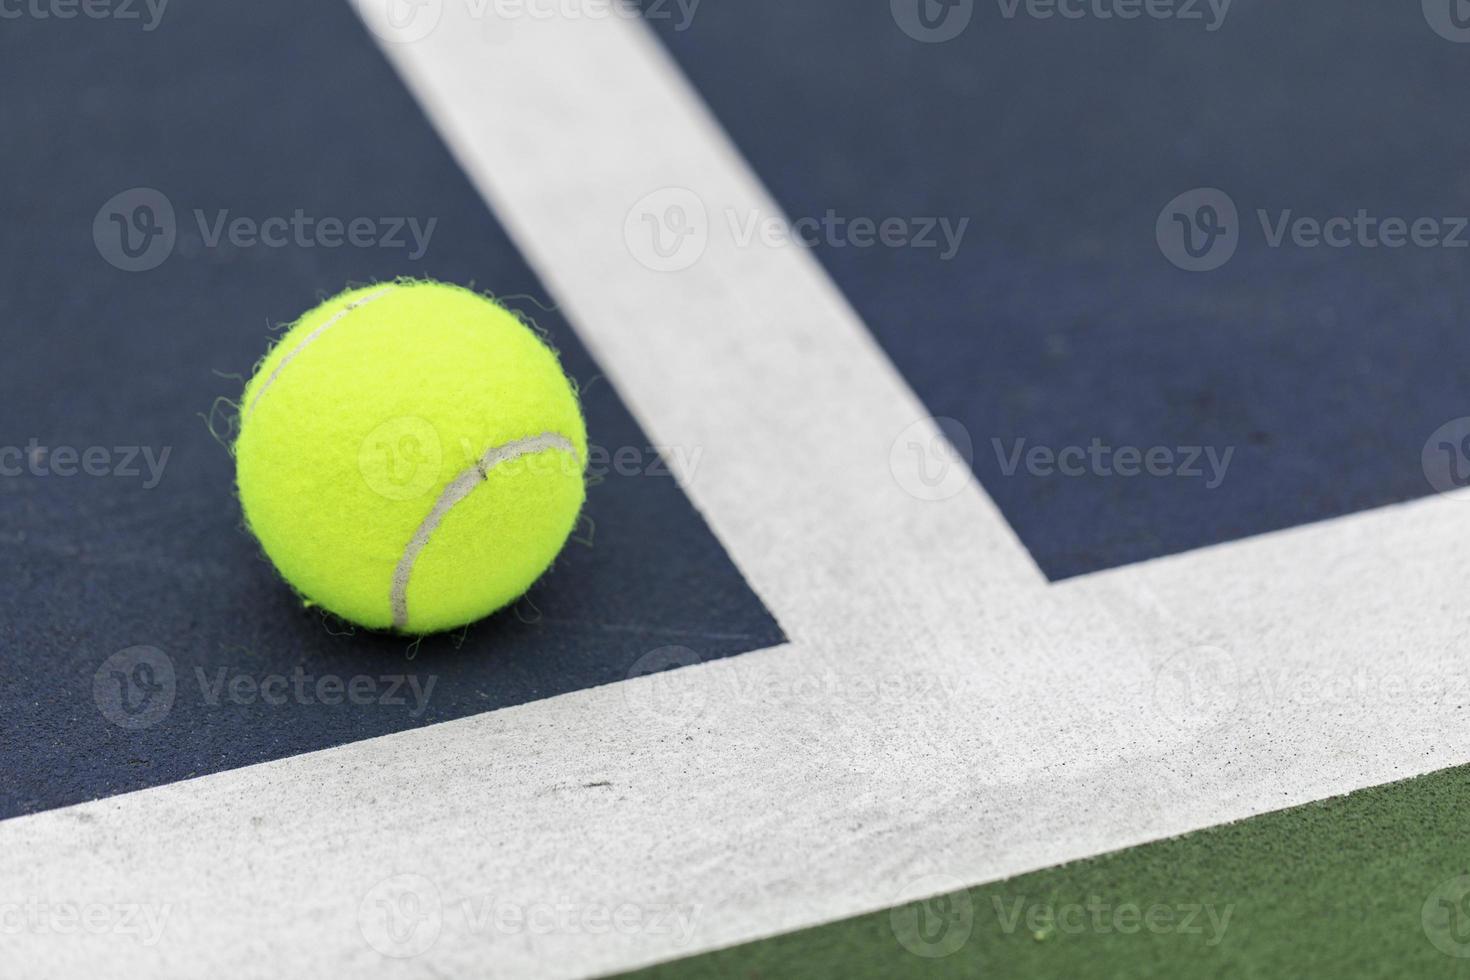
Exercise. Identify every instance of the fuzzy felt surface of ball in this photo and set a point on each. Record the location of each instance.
(411, 456)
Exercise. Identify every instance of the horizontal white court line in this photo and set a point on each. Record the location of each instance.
(1014, 725)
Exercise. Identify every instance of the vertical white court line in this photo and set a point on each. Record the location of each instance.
(593, 150)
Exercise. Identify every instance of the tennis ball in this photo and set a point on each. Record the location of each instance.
(410, 456)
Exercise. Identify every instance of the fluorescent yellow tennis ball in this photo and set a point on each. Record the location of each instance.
(411, 456)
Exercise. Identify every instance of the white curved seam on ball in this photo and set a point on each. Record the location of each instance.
(310, 339)
(460, 488)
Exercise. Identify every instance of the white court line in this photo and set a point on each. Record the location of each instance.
(1019, 725)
